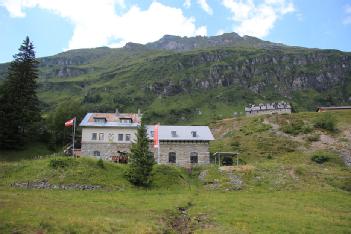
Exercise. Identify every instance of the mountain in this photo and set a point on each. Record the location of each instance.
(176, 43)
(196, 79)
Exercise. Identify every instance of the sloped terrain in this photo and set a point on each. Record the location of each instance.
(194, 80)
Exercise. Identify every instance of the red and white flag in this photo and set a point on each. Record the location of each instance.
(156, 140)
(70, 122)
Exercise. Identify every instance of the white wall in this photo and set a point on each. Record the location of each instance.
(88, 131)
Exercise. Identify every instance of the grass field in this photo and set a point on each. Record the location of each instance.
(281, 189)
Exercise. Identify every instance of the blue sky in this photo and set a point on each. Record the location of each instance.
(55, 26)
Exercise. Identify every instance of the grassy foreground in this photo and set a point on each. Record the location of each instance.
(120, 207)
(148, 211)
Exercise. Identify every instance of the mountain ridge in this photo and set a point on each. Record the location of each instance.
(176, 78)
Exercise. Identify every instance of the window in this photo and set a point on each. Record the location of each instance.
(120, 137)
(93, 136)
(110, 137)
(193, 157)
(172, 157)
(127, 120)
(152, 133)
(97, 153)
(100, 120)
(101, 136)
(194, 134)
(127, 137)
(173, 133)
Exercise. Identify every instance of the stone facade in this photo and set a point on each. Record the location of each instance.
(106, 150)
(183, 151)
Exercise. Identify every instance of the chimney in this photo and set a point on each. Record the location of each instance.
(117, 112)
(139, 114)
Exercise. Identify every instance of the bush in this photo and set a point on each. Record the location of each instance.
(295, 127)
(100, 163)
(60, 162)
(325, 121)
(320, 159)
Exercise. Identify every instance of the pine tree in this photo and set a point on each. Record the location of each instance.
(141, 160)
(19, 106)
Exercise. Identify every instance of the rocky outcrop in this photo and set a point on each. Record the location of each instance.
(284, 72)
(44, 184)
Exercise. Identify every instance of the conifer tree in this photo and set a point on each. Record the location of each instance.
(19, 106)
(141, 160)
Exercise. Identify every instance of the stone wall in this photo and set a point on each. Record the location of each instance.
(183, 150)
(265, 112)
(107, 150)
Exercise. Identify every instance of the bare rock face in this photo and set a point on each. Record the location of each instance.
(282, 72)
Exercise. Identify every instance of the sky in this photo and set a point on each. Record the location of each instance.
(59, 25)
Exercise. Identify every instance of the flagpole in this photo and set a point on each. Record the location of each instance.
(158, 153)
(74, 133)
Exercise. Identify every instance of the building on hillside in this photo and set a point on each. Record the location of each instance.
(182, 145)
(333, 108)
(268, 108)
(109, 136)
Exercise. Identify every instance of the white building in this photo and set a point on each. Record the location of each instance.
(110, 135)
(268, 108)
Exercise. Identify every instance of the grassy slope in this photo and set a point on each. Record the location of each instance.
(121, 79)
(284, 193)
(31, 151)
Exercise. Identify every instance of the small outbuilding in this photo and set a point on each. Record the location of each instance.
(333, 108)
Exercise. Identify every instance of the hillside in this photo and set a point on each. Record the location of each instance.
(277, 188)
(194, 80)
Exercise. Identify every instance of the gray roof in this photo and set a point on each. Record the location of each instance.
(203, 133)
(86, 122)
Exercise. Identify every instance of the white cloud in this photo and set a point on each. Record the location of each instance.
(347, 19)
(187, 3)
(204, 5)
(257, 19)
(96, 22)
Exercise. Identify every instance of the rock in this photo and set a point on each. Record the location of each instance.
(203, 175)
(44, 184)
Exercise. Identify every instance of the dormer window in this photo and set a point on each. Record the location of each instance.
(174, 133)
(100, 120)
(194, 133)
(125, 120)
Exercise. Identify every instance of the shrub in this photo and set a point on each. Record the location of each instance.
(320, 158)
(235, 145)
(60, 162)
(295, 127)
(141, 160)
(100, 163)
(325, 121)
